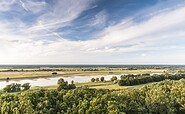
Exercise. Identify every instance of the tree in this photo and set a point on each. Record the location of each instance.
(26, 86)
(97, 79)
(14, 87)
(60, 81)
(92, 79)
(130, 80)
(102, 79)
(71, 86)
(7, 88)
(72, 82)
(113, 78)
(63, 85)
(166, 97)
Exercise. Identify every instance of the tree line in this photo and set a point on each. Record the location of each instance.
(129, 80)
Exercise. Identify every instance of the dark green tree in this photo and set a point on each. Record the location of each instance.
(102, 79)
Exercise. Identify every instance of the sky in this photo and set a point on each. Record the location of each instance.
(92, 31)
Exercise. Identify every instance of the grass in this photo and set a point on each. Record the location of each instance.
(109, 85)
(97, 85)
(32, 74)
(45, 87)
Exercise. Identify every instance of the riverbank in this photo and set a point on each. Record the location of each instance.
(97, 85)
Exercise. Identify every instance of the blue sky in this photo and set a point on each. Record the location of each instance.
(92, 31)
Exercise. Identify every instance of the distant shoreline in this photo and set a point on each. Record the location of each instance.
(29, 66)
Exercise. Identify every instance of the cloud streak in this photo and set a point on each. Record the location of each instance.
(23, 5)
(127, 41)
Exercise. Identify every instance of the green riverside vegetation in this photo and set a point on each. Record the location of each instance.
(129, 80)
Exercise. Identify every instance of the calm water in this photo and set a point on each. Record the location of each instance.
(53, 81)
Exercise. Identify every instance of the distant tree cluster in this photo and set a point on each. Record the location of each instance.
(130, 80)
(14, 87)
(102, 79)
(90, 69)
(63, 85)
(166, 97)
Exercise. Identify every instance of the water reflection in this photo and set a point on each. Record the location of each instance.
(53, 81)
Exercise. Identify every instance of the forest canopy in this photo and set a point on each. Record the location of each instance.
(166, 97)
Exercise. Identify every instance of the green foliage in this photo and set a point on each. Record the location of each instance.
(131, 79)
(26, 86)
(92, 79)
(102, 79)
(166, 97)
(14, 87)
(113, 78)
(97, 79)
(63, 85)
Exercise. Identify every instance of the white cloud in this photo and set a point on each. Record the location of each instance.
(125, 37)
(23, 5)
(99, 19)
(5, 5)
(62, 14)
(143, 54)
(33, 6)
(142, 32)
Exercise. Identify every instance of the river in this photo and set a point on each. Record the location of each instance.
(53, 80)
